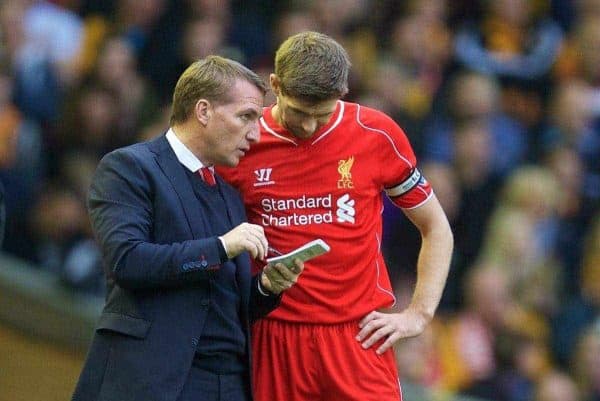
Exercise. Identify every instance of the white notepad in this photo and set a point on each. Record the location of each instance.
(307, 251)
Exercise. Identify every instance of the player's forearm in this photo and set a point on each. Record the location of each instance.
(432, 269)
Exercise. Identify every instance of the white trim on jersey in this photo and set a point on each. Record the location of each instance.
(424, 200)
(275, 134)
(391, 294)
(400, 388)
(382, 132)
(335, 124)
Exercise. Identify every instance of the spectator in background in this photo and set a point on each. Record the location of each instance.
(135, 100)
(335, 17)
(203, 35)
(574, 213)
(572, 124)
(580, 57)
(153, 29)
(292, 21)
(246, 24)
(516, 42)
(521, 235)
(2, 215)
(45, 59)
(22, 168)
(489, 348)
(512, 40)
(557, 386)
(476, 97)
(523, 355)
(574, 112)
(419, 362)
(583, 309)
(420, 49)
(138, 20)
(161, 119)
(477, 188)
(467, 340)
(586, 362)
(477, 183)
(63, 242)
(9, 120)
(90, 125)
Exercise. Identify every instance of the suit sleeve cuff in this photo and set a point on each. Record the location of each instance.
(222, 250)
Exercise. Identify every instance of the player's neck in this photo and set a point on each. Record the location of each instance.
(276, 114)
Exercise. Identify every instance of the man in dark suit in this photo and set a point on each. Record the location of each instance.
(175, 244)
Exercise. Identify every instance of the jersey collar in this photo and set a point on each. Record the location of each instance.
(271, 126)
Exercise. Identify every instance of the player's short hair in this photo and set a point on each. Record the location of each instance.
(312, 66)
(210, 78)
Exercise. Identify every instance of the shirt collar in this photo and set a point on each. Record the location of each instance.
(183, 153)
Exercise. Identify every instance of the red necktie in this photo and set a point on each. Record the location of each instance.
(208, 176)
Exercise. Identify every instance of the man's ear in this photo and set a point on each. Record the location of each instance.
(202, 111)
(275, 84)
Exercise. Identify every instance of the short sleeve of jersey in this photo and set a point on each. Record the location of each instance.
(401, 179)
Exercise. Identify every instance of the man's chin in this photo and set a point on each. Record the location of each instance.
(232, 162)
(301, 134)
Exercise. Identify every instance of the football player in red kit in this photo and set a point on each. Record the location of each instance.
(318, 172)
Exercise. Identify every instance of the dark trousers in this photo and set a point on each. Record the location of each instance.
(202, 385)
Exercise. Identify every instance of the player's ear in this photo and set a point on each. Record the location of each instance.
(275, 84)
(202, 111)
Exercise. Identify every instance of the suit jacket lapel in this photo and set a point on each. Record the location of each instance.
(168, 163)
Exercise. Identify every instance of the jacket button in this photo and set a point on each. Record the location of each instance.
(195, 342)
(205, 302)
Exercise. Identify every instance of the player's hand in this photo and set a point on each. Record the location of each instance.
(277, 278)
(246, 237)
(391, 327)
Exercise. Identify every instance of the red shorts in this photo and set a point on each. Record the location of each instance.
(309, 362)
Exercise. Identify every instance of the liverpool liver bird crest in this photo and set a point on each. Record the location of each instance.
(344, 167)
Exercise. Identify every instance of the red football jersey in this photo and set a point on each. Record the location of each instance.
(330, 187)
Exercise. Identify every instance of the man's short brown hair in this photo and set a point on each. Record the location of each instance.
(210, 78)
(313, 67)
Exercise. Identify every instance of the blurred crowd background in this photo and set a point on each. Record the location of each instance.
(500, 99)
